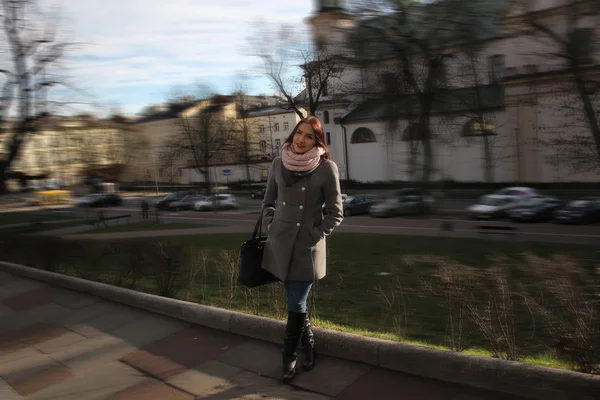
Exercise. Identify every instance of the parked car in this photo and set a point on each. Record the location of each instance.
(427, 200)
(518, 192)
(258, 193)
(216, 202)
(163, 204)
(100, 200)
(398, 206)
(584, 211)
(535, 209)
(360, 204)
(187, 203)
(493, 206)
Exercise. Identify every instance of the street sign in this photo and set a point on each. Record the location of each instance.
(226, 172)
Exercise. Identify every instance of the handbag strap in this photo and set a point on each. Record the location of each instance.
(258, 228)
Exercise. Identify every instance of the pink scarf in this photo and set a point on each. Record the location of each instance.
(301, 162)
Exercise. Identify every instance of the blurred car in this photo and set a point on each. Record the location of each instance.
(398, 206)
(216, 202)
(517, 192)
(187, 203)
(535, 209)
(360, 204)
(493, 206)
(163, 204)
(427, 200)
(584, 211)
(258, 193)
(100, 200)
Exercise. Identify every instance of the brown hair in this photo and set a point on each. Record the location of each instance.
(319, 134)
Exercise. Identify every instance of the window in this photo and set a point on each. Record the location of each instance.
(263, 146)
(581, 46)
(325, 89)
(161, 172)
(328, 138)
(363, 135)
(325, 117)
(276, 127)
(286, 126)
(261, 129)
(497, 65)
(278, 145)
(148, 173)
(180, 172)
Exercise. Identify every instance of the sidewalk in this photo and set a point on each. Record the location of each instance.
(59, 344)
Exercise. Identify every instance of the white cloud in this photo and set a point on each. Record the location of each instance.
(133, 45)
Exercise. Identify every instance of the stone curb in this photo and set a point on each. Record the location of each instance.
(509, 377)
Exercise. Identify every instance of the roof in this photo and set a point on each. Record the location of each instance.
(428, 23)
(445, 102)
(168, 111)
(269, 110)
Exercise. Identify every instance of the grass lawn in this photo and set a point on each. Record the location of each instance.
(363, 270)
(10, 218)
(151, 226)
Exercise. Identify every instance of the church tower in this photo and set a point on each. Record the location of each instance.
(330, 25)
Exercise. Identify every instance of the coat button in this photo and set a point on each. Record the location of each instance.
(301, 207)
(298, 224)
(283, 204)
(303, 188)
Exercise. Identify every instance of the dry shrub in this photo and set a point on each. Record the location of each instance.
(569, 314)
(228, 269)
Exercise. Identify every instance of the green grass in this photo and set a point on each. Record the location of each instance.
(151, 226)
(348, 298)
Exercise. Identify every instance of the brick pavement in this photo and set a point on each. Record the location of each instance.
(64, 345)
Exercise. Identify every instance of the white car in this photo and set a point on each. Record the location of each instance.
(493, 206)
(216, 202)
(518, 192)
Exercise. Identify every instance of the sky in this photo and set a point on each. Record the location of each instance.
(130, 53)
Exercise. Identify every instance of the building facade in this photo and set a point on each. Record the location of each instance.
(508, 106)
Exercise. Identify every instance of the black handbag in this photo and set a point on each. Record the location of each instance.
(251, 255)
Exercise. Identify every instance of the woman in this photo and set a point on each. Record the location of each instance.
(300, 181)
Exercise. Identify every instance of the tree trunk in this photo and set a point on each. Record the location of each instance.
(3, 169)
(590, 114)
(488, 173)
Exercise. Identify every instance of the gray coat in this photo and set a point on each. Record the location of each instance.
(295, 247)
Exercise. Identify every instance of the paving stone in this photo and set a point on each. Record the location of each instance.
(30, 299)
(21, 320)
(17, 340)
(382, 384)
(74, 300)
(183, 350)
(36, 381)
(97, 384)
(254, 355)
(106, 322)
(331, 376)
(23, 367)
(20, 354)
(4, 310)
(151, 389)
(17, 286)
(204, 378)
(84, 314)
(249, 386)
(7, 392)
(148, 329)
(93, 353)
(60, 342)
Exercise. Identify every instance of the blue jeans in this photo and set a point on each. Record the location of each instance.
(297, 294)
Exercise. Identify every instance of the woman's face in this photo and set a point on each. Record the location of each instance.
(304, 138)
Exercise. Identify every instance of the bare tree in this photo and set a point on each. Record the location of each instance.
(304, 76)
(570, 31)
(246, 137)
(414, 39)
(33, 53)
(205, 137)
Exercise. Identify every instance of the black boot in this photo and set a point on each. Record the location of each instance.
(293, 333)
(308, 343)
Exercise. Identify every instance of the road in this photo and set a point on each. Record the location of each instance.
(246, 216)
